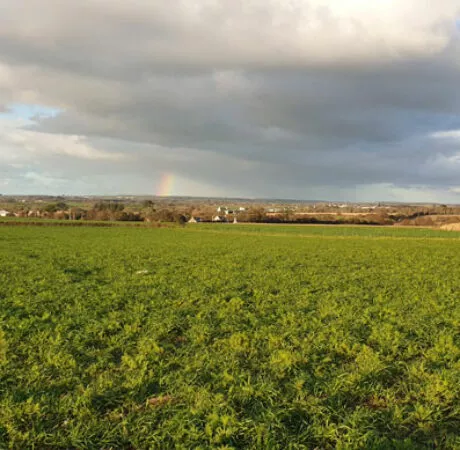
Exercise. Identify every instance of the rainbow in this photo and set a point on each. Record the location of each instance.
(166, 185)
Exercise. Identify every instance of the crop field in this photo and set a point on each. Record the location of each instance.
(223, 336)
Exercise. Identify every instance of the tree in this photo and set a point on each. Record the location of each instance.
(112, 206)
(62, 206)
(51, 208)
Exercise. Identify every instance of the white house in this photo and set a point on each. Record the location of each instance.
(4, 213)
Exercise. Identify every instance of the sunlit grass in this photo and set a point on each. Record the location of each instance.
(229, 337)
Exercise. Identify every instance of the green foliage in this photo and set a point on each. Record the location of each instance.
(229, 337)
(53, 207)
(112, 206)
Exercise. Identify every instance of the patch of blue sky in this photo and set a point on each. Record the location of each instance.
(24, 111)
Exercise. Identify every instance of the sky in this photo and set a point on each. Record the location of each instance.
(344, 100)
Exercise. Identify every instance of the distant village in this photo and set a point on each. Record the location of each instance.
(199, 210)
(224, 214)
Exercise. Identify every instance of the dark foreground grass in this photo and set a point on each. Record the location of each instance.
(236, 337)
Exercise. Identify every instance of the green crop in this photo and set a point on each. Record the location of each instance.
(223, 336)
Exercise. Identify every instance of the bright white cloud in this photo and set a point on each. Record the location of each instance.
(37, 143)
(29, 144)
(451, 134)
(236, 33)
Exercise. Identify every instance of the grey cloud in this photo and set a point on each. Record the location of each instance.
(254, 33)
(290, 111)
(283, 100)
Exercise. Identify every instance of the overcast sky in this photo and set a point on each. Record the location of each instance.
(309, 99)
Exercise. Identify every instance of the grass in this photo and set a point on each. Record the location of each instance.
(222, 336)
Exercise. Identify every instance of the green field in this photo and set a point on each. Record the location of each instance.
(223, 336)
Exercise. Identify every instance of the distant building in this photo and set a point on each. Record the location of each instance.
(194, 219)
(218, 219)
(4, 213)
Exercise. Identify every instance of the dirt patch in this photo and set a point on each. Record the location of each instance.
(451, 226)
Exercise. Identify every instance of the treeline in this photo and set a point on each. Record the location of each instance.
(103, 211)
(149, 212)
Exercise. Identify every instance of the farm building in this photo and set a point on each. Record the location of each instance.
(227, 211)
(194, 220)
(4, 213)
(219, 219)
